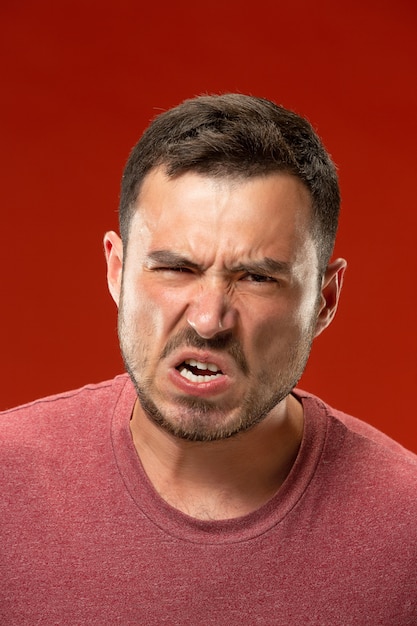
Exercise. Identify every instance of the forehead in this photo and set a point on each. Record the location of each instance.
(240, 216)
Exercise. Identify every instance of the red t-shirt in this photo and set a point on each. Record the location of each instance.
(85, 539)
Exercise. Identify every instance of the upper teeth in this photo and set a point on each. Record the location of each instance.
(202, 366)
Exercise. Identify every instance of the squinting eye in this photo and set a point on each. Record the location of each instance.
(172, 269)
(260, 278)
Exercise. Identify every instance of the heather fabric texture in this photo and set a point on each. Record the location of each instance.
(86, 540)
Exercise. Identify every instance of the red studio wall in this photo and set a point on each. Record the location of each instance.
(81, 80)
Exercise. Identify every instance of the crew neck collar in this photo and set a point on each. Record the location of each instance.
(187, 528)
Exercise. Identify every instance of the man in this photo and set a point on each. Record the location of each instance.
(204, 488)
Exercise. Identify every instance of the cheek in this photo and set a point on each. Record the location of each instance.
(151, 310)
(282, 326)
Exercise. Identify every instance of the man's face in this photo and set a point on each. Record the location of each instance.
(219, 299)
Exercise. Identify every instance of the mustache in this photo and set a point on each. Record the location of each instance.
(225, 343)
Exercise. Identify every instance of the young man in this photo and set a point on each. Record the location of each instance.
(203, 488)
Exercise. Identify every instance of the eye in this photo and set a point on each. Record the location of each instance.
(172, 269)
(259, 278)
(174, 273)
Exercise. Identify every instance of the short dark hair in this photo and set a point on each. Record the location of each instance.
(240, 136)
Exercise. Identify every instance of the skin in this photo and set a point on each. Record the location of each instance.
(222, 271)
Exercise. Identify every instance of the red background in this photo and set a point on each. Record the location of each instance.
(81, 79)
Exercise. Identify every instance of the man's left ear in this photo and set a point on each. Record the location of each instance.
(330, 292)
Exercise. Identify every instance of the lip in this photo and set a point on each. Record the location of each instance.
(218, 385)
(214, 387)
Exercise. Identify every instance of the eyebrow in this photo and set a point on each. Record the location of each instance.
(170, 259)
(264, 266)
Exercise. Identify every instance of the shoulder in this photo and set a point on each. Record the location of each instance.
(357, 432)
(43, 441)
(61, 410)
(87, 393)
(362, 459)
(364, 484)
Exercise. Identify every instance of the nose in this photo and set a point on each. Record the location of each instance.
(211, 311)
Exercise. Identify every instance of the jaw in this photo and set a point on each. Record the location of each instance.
(202, 413)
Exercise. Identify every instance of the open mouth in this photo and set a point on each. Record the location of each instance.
(198, 372)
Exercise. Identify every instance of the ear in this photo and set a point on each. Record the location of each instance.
(330, 292)
(113, 249)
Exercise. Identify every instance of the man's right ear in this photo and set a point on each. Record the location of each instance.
(113, 249)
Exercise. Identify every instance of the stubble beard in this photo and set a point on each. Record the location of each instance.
(197, 419)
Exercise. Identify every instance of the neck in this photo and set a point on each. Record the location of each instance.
(220, 479)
